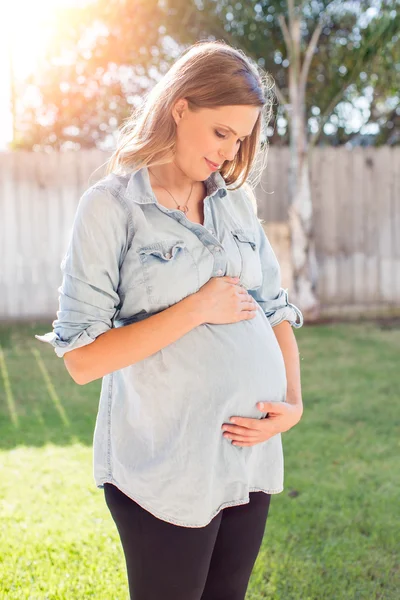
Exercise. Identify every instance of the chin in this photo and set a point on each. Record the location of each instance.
(202, 174)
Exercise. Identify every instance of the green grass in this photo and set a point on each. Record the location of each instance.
(332, 534)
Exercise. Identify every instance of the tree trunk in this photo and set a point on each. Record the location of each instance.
(300, 203)
(302, 242)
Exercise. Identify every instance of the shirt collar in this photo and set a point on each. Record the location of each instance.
(140, 191)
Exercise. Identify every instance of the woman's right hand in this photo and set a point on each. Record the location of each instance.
(224, 300)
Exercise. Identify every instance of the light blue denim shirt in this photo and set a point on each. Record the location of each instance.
(158, 434)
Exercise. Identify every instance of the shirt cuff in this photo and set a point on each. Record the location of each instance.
(61, 346)
(286, 312)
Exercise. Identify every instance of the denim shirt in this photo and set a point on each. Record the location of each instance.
(158, 434)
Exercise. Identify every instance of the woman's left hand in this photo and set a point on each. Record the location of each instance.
(244, 431)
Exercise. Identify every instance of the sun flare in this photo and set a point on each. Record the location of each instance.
(26, 30)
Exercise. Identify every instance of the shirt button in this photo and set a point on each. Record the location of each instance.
(219, 272)
(168, 255)
(217, 249)
(211, 231)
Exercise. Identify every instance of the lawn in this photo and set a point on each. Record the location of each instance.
(333, 533)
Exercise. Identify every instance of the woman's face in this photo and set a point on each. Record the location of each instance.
(206, 135)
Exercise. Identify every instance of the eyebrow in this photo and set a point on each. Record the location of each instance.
(230, 129)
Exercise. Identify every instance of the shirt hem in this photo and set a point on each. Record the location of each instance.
(174, 521)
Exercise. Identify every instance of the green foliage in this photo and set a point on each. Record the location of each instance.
(118, 49)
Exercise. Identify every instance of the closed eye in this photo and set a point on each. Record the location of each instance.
(220, 135)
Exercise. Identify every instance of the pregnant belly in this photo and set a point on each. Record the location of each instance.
(172, 404)
(244, 364)
(212, 370)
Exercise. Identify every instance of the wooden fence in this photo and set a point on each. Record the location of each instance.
(356, 207)
(356, 200)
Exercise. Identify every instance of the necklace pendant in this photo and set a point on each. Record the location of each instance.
(184, 209)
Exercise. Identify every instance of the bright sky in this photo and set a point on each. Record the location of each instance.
(23, 37)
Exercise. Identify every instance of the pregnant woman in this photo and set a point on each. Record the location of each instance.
(171, 294)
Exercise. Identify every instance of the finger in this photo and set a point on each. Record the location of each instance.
(244, 443)
(246, 422)
(238, 436)
(242, 438)
(242, 290)
(240, 430)
(249, 302)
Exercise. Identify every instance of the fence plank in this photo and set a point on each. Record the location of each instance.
(342, 162)
(9, 225)
(385, 231)
(357, 200)
(328, 241)
(371, 272)
(395, 219)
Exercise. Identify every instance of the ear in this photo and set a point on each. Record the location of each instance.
(179, 109)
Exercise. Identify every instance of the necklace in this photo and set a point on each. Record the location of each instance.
(180, 207)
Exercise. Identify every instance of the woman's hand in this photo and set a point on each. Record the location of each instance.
(223, 300)
(244, 431)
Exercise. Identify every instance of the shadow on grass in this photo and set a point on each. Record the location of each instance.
(39, 401)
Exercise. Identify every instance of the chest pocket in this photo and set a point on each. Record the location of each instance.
(169, 272)
(251, 269)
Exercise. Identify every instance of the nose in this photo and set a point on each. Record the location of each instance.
(229, 154)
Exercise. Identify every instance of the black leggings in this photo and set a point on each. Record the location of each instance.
(170, 562)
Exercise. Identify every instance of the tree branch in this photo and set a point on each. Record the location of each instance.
(286, 35)
(326, 114)
(307, 60)
(291, 9)
(281, 98)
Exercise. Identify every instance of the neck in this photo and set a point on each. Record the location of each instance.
(171, 177)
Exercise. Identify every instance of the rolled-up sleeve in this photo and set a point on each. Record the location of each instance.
(279, 309)
(89, 297)
(272, 298)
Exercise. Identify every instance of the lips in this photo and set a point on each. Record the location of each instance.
(212, 164)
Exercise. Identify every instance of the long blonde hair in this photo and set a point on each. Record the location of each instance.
(208, 74)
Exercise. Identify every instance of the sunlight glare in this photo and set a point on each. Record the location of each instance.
(26, 29)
